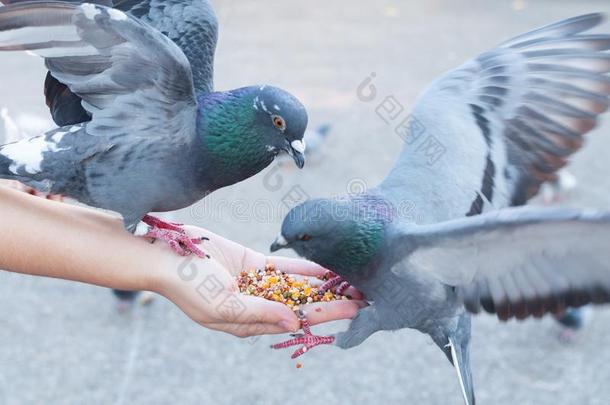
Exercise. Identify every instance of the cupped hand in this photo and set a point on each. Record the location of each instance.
(206, 290)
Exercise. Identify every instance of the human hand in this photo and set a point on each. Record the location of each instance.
(206, 290)
(29, 190)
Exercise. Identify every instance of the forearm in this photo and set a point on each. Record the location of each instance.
(45, 238)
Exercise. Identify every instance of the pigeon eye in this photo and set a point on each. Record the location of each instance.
(305, 238)
(278, 122)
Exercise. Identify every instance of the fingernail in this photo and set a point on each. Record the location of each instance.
(287, 326)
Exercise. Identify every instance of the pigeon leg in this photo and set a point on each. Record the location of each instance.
(307, 339)
(179, 241)
(174, 235)
(159, 223)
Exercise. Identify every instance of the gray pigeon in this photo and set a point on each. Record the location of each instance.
(504, 122)
(572, 321)
(154, 142)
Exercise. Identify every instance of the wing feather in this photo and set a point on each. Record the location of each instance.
(121, 68)
(518, 262)
(525, 105)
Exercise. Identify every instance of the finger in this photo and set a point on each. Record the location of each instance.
(353, 293)
(321, 312)
(296, 266)
(251, 310)
(311, 280)
(248, 329)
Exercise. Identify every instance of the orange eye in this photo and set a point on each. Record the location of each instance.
(278, 122)
(305, 238)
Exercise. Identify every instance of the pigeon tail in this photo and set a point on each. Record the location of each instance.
(7, 168)
(460, 358)
(455, 345)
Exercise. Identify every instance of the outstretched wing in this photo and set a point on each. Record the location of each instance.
(518, 262)
(133, 80)
(489, 133)
(191, 24)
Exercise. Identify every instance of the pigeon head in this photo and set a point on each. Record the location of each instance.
(342, 234)
(281, 120)
(243, 130)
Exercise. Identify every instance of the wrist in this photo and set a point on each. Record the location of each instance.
(160, 276)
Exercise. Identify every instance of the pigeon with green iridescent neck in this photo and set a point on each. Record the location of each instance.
(435, 241)
(154, 142)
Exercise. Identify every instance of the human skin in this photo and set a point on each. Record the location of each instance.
(47, 238)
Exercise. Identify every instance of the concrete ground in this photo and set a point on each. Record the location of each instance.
(63, 343)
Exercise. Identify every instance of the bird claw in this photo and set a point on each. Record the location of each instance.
(178, 241)
(308, 340)
(333, 281)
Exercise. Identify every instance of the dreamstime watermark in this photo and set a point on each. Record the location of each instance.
(356, 186)
(406, 126)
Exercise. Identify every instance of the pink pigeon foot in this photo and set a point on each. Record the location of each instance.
(178, 241)
(333, 280)
(307, 339)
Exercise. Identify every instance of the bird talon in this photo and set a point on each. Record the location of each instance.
(308, 340)
(178, 241)
(336, 281)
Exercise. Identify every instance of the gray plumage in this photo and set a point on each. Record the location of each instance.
(483, 137)
(191, 24)
(154, 143)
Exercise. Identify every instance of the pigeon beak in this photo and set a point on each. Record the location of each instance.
(297, 151)
(279, 243)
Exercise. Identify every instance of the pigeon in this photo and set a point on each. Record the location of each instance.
(155, 141)
(439, 239)
(572, 321)
(192, 25)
